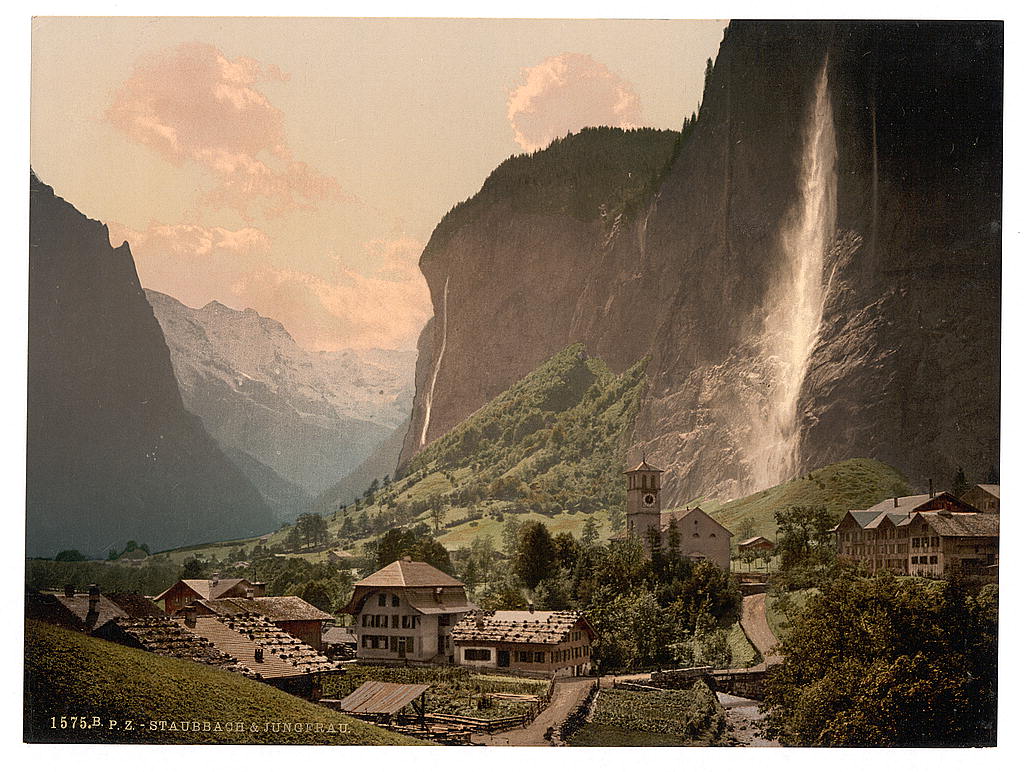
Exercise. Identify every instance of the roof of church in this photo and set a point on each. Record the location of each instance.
(643, 466)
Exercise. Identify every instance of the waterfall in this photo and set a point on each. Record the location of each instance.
(437, 365)
(796, 303)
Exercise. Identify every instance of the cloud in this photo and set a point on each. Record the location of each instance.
(385, 309)
(566, 93)
(193, 242)
(193, 104)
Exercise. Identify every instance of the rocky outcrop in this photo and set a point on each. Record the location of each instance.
(906, 361)
(112, 453)
(306, 417)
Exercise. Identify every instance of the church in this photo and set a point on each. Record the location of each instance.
(701, 537)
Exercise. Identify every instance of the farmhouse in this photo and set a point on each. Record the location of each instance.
(549, 643)
(185, 591)
(405, 612)
(921, 535)
(292, 614)
(694, 533)
(984, 498)
(756, 544)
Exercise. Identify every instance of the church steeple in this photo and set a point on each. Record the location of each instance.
(643, 498)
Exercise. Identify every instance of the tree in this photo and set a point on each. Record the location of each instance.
(317, 593)
(436, 510)
(590, 532)
(536, 558)
(71, 556)
(803, 536)
(746, 528)
(618, 521)
(881, 662)
(510, 530)
(567, 549)
(959, 486)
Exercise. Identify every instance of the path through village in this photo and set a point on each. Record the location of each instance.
(741, 714)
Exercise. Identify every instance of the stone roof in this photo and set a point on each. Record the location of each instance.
(240, 637)
(542, 627)
(283, 608)
(961, 524)
(409, 573)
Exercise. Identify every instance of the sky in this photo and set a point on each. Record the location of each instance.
(298, 166)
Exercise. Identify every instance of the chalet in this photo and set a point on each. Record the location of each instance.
(695, 533)
(984, 498)
(756, 544)
(290, 613)
(548, 643)
(87, 611)
(405, 612)
(185, 591)
(921, 535)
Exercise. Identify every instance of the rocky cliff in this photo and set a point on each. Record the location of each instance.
(112, 453)
(306, 417)
(815, 278)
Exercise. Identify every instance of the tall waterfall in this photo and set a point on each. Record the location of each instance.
(437, 364)
(795, 305)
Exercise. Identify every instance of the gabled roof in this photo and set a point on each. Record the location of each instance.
(989, 488)
(409, 573)
(960, 523)
(695, 512)
(753, 540)
(545, 627)
(106, 609)
(136, 605)
(206, 588)
(283, 608)
(896, 518)
(920, 502)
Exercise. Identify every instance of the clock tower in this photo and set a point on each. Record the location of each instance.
(643, 499)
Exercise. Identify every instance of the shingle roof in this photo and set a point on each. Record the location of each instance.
(409, 573)
(961, 524)
(163, 636)
(239, 637)
(753, 540)
(918, 502)
(547, 627)
(283, 608)
(339, 635)
(989, 488)
(378, 697)
(106, 609)
(206, 588)
(136, 605)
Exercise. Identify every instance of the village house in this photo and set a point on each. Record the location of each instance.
(289, 612)
(548, 643)
(921, 535)
(185, 591)
(755, 544)
(405, 612)
(86, 611)
(698, 535)
(984, 498)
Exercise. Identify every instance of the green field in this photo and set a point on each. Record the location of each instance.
(71, 676)
(856, 483)
(671, 717)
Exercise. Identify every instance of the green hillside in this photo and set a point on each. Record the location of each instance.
(550, 447)
(853, 484)
(69, 675)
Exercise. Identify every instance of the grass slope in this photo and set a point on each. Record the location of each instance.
(70, 674)
(853, 484)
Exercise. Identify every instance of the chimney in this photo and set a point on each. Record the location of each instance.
(529, 607)
(931, 489)
(895, 501)
(94, 598)
(214, 580)
(69, 590)
(479, 621)
(190, 616)
(258, 655)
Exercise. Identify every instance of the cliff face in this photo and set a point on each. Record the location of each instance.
(112, 453)
(309, 417)
(816, 278)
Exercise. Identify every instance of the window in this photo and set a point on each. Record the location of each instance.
(933, 559)
(365, 617)
(477, 655)
(395, 601)
(410, 622)
(524, 656)
(366, 642)
(538, 656)
(913, 560)
(445, 620)
(382, 600)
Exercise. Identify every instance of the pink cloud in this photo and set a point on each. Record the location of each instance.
(386, 308)
(190, 241)
(565, 93)
(193, 104)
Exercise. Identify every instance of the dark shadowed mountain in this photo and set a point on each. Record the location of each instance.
(112, 453)
(816, 276)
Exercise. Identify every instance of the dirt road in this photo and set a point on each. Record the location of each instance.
(755, 624)
(568, 693)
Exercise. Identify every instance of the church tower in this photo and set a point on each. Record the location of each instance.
(643, 499)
